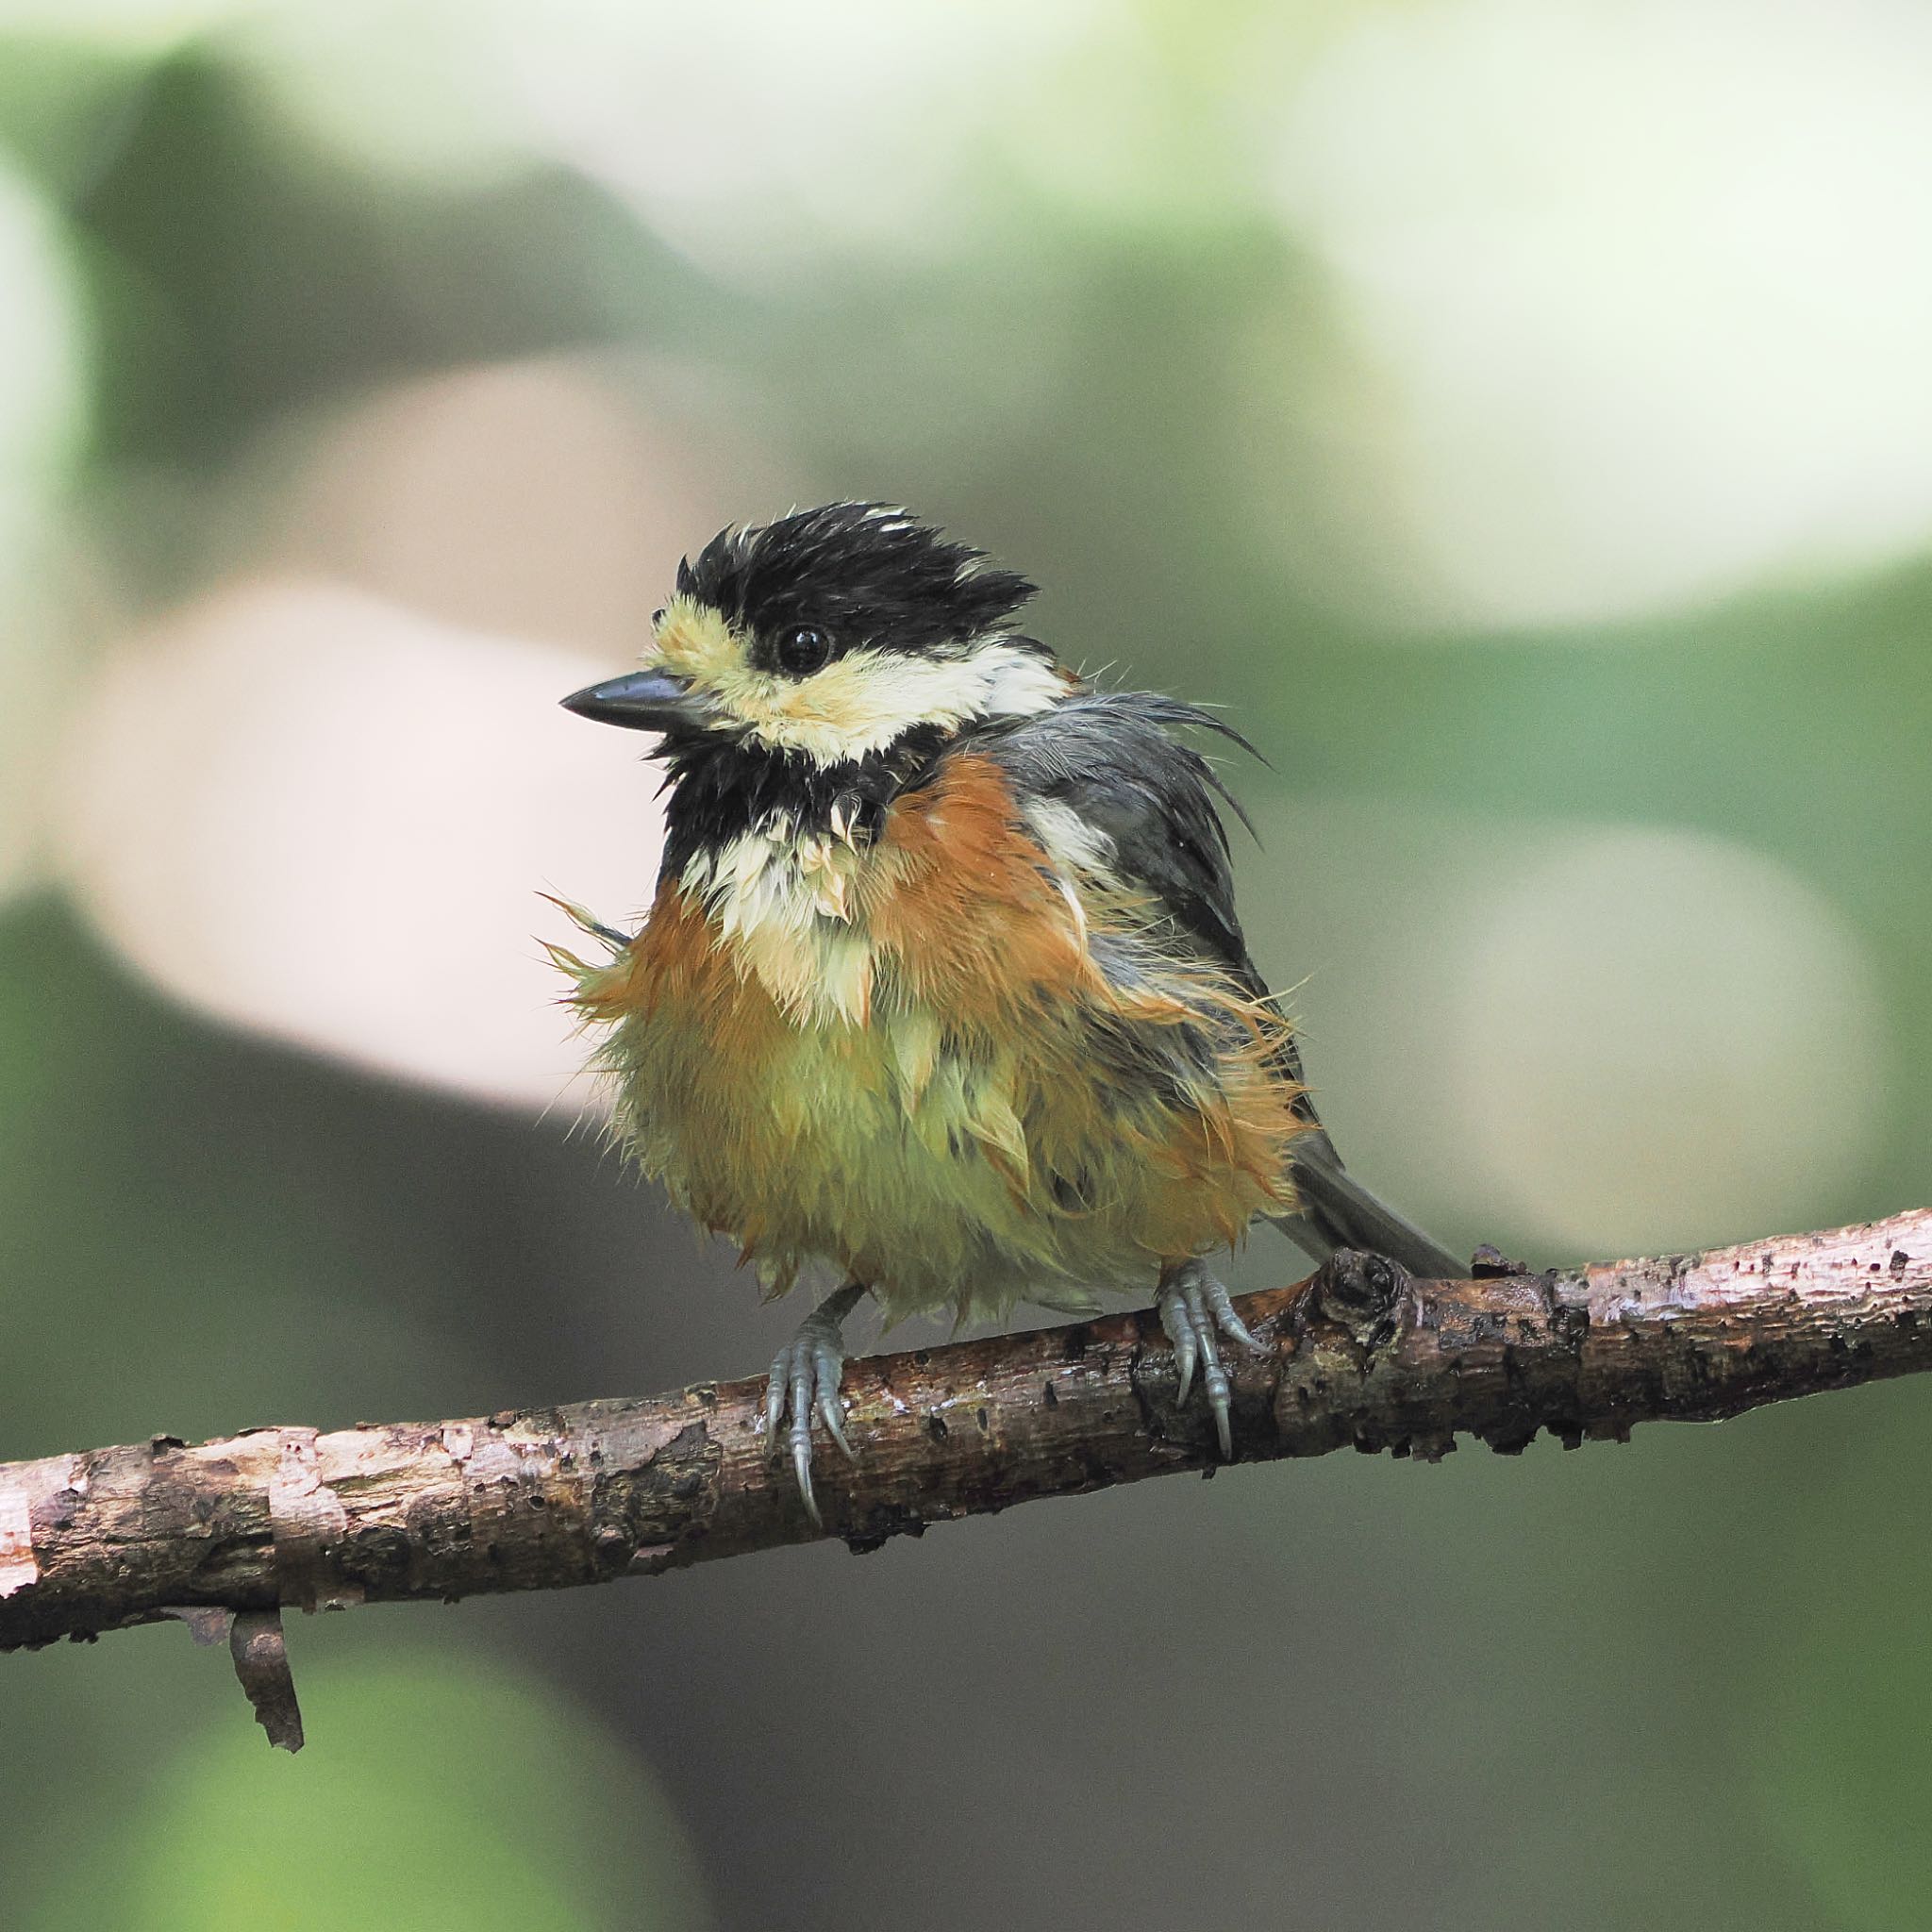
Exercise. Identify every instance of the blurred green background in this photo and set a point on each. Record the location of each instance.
(1520, 415)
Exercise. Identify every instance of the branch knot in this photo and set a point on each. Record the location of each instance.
(1362, 1293)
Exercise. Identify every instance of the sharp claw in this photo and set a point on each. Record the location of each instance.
(775, 1386)
(801, 1468)
(1223, 1423)
(1180, 1331)
(832, 1413)
(1203, 1326)
(1237, 1330)
(1220, 1307)
(1214, 1383)
(804, 1385)
(1186, 1356)
(1196, 1313)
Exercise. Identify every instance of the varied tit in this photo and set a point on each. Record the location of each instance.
(942, 983)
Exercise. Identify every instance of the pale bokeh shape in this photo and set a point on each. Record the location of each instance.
(137, 26)
(751, 135)
(540, 497)
(44, 349)
(319, 815)
(1589, 1041)
(1659, 1032)
(46, 635)
(43, 372)
(1637, 293)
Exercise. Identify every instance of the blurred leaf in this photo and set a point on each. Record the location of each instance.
(1840, 1672)
(298, 277)
(65, 105)
(436, 1794)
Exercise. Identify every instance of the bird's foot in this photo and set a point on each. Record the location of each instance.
(805, 1380)
(1195, 1311)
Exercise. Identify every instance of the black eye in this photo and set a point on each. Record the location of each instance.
(657, 617)
(803, 649)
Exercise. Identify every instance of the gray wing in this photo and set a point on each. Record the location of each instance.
(1112, 758)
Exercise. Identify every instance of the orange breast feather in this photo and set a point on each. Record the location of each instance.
(993, 1115)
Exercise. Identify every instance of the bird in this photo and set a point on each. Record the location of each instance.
(942, 983)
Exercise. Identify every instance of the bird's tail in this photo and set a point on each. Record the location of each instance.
(1337, 1211)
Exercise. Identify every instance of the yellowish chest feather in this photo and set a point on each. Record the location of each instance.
(792, 906)
(901, 1057)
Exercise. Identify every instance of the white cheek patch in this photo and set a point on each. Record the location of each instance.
(860, 703)
(1020, 684)
(866, 700)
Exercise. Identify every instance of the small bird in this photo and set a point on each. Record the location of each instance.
(942, 982)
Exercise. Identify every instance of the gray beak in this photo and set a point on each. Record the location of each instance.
(642, 701)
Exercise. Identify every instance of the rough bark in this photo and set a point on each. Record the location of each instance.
(1359, 1356)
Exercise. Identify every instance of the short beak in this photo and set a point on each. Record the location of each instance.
(641, 701)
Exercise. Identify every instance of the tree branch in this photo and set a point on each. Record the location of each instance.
(1358, 1356)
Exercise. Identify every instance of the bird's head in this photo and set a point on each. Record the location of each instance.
(831, 634)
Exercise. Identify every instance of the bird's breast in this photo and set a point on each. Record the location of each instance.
(899, 1053)
(949, 905)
